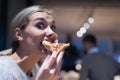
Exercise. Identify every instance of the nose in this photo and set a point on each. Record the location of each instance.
(51, 35)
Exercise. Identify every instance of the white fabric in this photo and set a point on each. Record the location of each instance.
(9, 70)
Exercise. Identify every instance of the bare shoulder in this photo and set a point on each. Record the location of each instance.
(6, 52)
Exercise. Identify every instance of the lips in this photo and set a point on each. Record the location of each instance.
(50, 40)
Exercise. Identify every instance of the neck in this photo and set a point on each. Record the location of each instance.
(26, 60)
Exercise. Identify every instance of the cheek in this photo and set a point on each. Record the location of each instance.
(34, 37)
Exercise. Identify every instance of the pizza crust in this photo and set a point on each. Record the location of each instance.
(55, 46)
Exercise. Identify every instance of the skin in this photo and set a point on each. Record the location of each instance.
(31, 50)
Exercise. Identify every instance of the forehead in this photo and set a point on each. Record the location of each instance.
(42, 15)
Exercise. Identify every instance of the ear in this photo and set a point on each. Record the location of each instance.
(18, 34)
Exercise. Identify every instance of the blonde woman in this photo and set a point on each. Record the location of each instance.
(29, 28)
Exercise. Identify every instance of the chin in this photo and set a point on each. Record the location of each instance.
(42, 52)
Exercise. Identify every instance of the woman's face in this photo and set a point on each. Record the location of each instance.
(39, 28)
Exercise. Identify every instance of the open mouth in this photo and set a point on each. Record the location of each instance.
(44, 50)
(50, 40)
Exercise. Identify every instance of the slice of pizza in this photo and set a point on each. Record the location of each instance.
(55, 46)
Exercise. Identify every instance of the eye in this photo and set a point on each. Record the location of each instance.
(40, 25)
(53, 28)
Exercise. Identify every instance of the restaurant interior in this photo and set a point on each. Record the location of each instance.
(73, 19)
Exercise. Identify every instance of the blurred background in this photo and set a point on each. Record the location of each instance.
(74, 18)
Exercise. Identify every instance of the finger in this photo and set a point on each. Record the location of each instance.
(58, 62)
(47, 57)
(57, 70)
(52, 59)
(59, 58)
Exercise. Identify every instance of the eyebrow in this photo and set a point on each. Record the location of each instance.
(40, 19)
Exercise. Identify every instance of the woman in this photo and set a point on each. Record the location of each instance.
(29, 28)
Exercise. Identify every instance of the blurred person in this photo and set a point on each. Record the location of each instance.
(96, 65)
(70, 55)
(29, 28)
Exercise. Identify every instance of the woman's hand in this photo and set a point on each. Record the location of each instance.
(50, 69)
